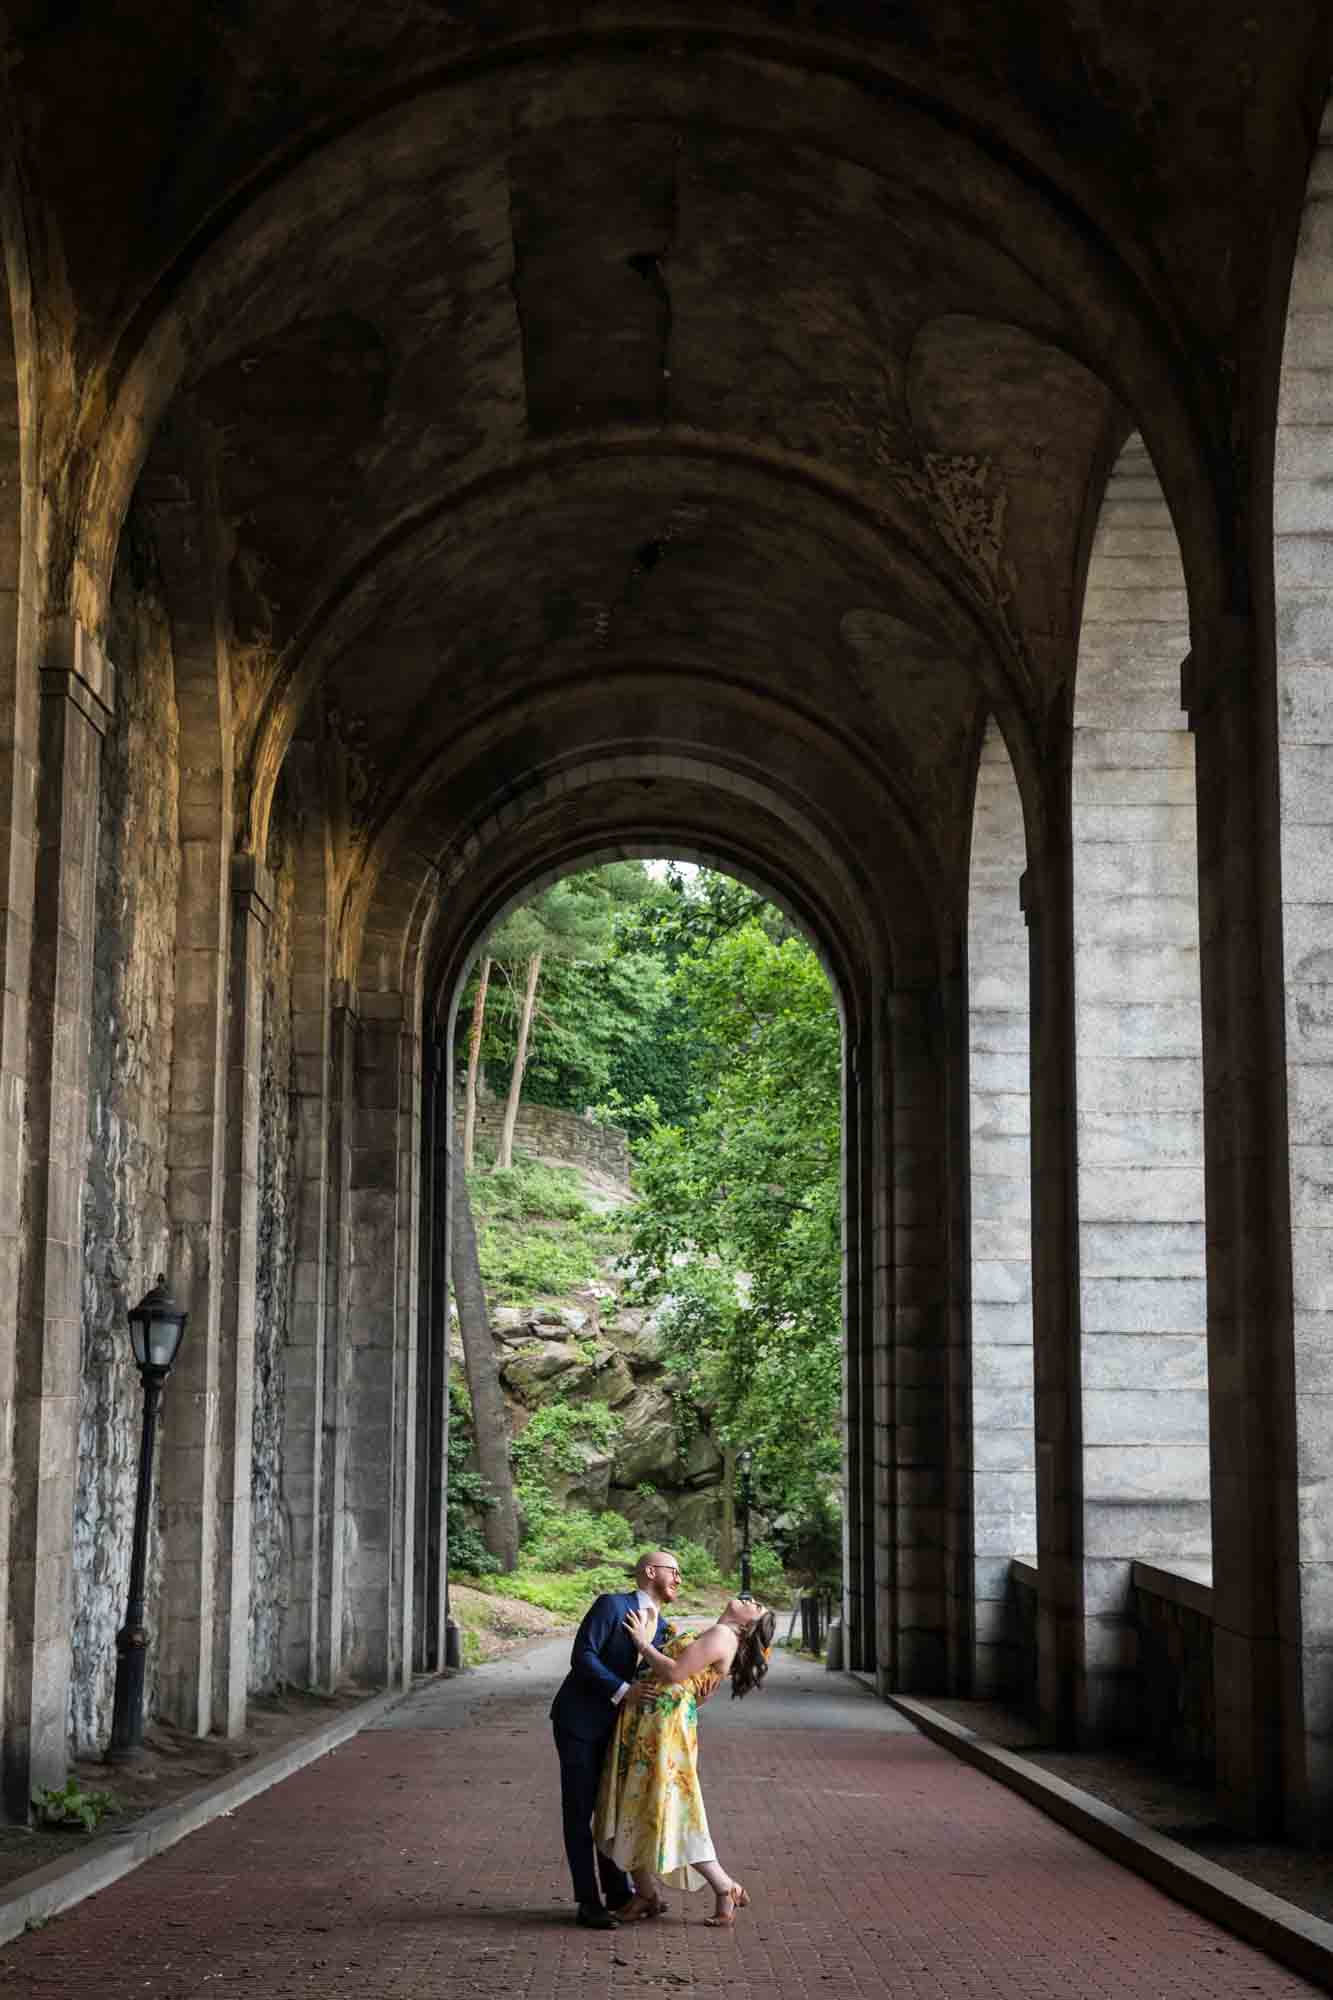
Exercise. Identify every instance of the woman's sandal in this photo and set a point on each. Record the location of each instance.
(640, 1909)
(738, 1900)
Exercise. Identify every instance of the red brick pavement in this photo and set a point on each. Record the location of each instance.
(425, 1861)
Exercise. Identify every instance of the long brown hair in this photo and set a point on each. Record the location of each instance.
(751, 1662)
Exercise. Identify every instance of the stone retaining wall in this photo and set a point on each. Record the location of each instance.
(1174, 1618)
(561, 1135)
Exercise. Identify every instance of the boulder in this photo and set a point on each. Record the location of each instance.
(567, 1319)
(588, 1486)
(647, 1447)
(647, 1512)
(696, 1517)
(612, 1382)
(540, 1369)
(701, 1463)
(636, 1339)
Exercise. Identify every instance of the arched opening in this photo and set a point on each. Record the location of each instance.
(1139, 1083)
(680, 1513)
(740, 1249)
(1004, 1489)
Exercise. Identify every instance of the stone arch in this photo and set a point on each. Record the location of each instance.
(1092, 296)
(1004, 1491)
(1139, 1081)
(436, 907)
(1303, 622)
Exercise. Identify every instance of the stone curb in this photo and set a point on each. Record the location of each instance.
(44, 1892)
(1302, 1942)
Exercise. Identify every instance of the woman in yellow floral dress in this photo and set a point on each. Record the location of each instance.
(650, 1812)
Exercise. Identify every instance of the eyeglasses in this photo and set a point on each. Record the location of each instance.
(660, 1569)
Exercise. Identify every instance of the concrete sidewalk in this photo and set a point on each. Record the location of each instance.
(423, 1858)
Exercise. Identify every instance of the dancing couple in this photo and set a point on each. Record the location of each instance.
(626, 1728)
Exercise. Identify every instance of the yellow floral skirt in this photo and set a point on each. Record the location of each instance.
(650, 1810)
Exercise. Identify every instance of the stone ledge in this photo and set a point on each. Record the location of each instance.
(1178, 1586)
(1302, 1942)
(45, 1892)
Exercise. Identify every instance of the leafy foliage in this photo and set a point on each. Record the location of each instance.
(738, 1222)
(70, 1805)
(608, 1030)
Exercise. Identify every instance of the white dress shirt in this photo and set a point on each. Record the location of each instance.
(646, 1603)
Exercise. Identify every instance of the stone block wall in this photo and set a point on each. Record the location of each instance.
(561, 1135)
(124, 1210)
(1176, 1719)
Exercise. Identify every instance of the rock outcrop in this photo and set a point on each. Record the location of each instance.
(664, 1472)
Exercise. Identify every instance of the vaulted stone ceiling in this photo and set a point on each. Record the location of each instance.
(770, 355)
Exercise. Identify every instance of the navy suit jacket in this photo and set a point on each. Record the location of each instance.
(604, 1657)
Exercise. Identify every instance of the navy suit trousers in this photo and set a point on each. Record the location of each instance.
(580, 1774)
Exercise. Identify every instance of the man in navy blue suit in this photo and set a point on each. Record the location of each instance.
(602, 1667)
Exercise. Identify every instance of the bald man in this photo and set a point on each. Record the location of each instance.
(601, 1667)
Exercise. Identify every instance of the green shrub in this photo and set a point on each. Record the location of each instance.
(69, 1805)
(567, 1596)
(698, 1569)
(768, 1579)
(537, 1236)
(572, 1539)
(554, 1433)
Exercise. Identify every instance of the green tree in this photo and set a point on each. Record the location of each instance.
(738, 1223)
(564, 999)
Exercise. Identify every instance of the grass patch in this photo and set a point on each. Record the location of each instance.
(537, 1234)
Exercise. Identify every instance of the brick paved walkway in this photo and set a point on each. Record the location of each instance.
(423, 1859)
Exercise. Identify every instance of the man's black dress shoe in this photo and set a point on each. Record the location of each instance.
(594, 1918)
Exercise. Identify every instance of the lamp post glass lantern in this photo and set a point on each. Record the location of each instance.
(745, 1465)
(157, 1326)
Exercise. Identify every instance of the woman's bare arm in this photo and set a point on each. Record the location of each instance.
(712, 1648)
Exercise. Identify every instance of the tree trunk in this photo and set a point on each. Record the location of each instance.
(474, 1065)
(490, 1423)
(505, 1157)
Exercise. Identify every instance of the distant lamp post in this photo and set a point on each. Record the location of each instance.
(156, 1327)
(745, 1465)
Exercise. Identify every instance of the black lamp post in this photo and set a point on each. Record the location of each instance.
(745, 1463)
(156, 1327)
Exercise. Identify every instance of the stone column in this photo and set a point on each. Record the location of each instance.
(1058, 1416)
(858, 1294)
(18, 834)
(1303, 578)
(77, 687)
(381, 1389)
(195, 1162)
(432, 1481)
(1259, 1462)
(919, 1432)
(332, 1523)
(252, 904)
(406, 1350)
(306, 1354)
(879, 1258)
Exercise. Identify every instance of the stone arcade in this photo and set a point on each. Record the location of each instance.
(884, 452)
